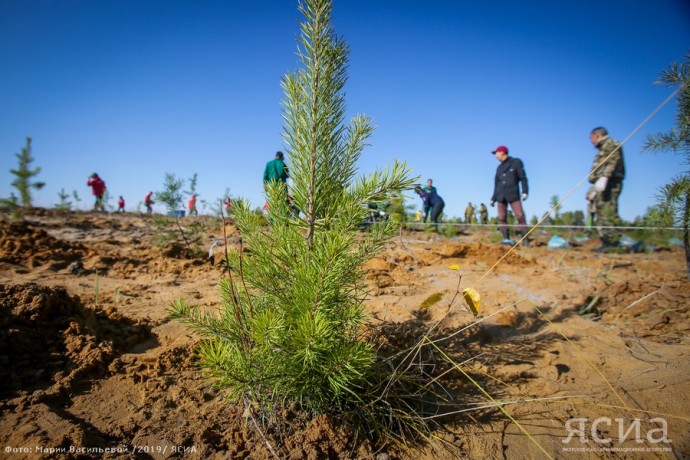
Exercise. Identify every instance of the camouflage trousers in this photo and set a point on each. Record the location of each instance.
(99, 205)
(606, 212)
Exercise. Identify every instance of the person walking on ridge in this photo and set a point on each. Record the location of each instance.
(192, 205)
(148, 202)
(121, 204)
(98, 190)
(510, 176)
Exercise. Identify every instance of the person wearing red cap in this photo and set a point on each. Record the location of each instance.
(510, 177)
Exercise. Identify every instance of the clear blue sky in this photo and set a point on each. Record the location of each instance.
(134, 88)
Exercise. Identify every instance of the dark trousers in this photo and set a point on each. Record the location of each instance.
(426, 210)
(436, 211)
(502, 210)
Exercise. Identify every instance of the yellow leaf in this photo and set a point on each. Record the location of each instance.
(454, 267)
(431, 300)
(471, 297)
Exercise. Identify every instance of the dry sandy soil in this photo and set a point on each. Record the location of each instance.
(91, 367)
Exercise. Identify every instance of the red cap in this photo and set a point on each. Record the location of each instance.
(501, 148)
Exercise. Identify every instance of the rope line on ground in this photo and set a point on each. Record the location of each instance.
(583, 227)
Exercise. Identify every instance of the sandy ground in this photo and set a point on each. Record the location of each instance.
(91, 367)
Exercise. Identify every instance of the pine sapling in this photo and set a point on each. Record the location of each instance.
(674, 200)
(168, 227)
(64, 204)
(76, 198)
(291, 327)
(23, 181)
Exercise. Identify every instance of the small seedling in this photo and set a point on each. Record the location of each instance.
(470, 295)
(96, 297)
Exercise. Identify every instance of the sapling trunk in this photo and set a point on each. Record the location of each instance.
(190, 251)
(686, 233)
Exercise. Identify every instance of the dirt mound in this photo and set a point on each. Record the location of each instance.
(141, 260)
(658, 311)
(23, 244)
(160, 402)
(48, 336)
(488, 254)
(301, 437)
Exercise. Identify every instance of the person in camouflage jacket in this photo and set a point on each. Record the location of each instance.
(607, 174)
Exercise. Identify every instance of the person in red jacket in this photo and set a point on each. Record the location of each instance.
(121, 204)
(98, 189)
(192, 205)
(148, 202)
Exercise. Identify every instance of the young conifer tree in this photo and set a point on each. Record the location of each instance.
(24, 174)
(192, 184)
(64, 204)
(168, 228)
(673, 206)
(292, 317)
(171, 196)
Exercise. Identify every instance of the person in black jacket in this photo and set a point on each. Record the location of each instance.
(510, 176)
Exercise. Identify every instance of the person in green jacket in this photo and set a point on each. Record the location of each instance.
(428, 188)
(276, 170)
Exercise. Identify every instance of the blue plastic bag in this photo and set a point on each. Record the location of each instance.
(675, 241)
(557, 242)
